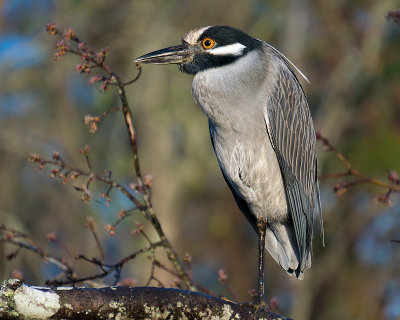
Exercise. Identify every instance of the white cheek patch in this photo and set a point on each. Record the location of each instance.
(234, 49)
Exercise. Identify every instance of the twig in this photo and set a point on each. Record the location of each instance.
(90, 226)
(122, 215)
(106, 269)
(392, 186)
(77, 172)
(223, 279)
(91, 60)
(136, 78)
(52, 237)
(30, 245)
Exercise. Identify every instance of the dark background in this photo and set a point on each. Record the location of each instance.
(349, 51)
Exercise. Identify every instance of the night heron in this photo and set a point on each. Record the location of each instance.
(262, 133)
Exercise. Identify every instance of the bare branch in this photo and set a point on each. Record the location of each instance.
(90, 226)
(361, 178)
(97, 59)
(22, 301)
(77, 172)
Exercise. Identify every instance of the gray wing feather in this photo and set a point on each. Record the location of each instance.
(292, 135)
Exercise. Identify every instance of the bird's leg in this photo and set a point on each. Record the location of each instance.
(261, 227)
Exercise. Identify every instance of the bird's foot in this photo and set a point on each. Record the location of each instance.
(261, 305)
(262, 308)
(258, 306)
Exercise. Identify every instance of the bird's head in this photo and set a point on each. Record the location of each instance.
(204, 48)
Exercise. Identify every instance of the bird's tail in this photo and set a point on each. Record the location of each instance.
(282, 246)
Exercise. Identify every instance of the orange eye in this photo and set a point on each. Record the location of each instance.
(208, 43)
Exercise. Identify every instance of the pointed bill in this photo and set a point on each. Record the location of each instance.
(175, 54)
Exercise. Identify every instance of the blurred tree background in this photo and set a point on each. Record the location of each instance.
(349, 51)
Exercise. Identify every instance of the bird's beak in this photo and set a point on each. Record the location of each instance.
(175, 54)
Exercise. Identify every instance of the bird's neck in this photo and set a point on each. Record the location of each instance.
(233, 93)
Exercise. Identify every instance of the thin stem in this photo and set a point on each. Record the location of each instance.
(131, 130)
(93, 177)
(172, 256)
(90, 56)
(351, 172)
(46, 257)
(99, 247)
(136, 78)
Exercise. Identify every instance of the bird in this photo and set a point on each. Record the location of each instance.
(263, 136)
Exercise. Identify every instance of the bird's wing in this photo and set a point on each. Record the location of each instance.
(292, 135)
